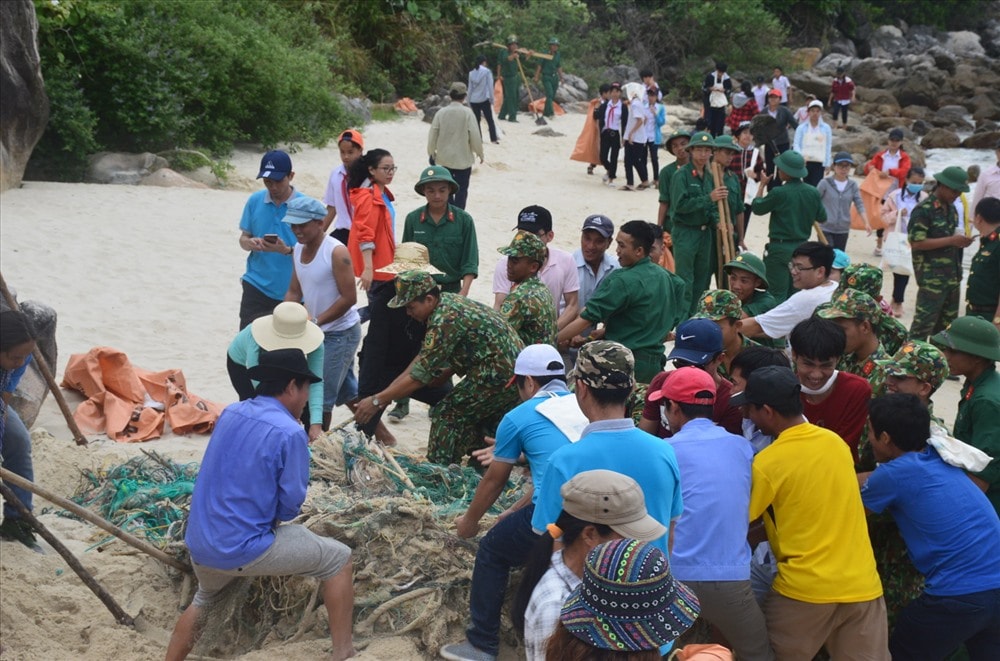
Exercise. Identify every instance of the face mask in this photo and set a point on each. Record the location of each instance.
(824, 388)
(913, 189)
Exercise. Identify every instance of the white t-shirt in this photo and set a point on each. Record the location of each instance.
(890, 161)
(760, 94)
(336, 196)
(781, 84)
(636, 126)
(779, 321)
(319, 287)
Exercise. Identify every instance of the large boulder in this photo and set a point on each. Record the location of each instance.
(25, 108)
(871, 72)
(167, 178)
(965, 44)
(122, 168)
(805, 58)
(952, 117)
(888, 41)
(920, 127)
(360, 109)
(917, 112)
(622, 73)
(843, 46)
(916, 90)
(982, 140)
(572, 89)
(939, 138)
(984, 106)
(811, 83)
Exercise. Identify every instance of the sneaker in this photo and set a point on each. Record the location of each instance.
(878, 252)
(400, 410)
(18, 530)
(464, 651)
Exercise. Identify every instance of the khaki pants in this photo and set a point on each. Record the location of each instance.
(850, 631)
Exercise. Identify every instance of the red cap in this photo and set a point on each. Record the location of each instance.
(687, 385)
(774, 93)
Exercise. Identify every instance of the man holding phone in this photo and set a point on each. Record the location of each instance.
(268, 240)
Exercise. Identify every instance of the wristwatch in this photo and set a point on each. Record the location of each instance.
(375, 402)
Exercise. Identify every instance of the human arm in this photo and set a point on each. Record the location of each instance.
(475, 137)
(363, 226)
(402, 386)
(252, 243)
(293, 478)
(686, 198)
(469, 268)
(294, 292)
(315, 360)
(670, 537)
(432, 137)
(466, 284)
(501, 284)
(789, 117)
(800, 132)
(859, 204)
(917, 233)
(331, 213)
(750, 327)
(569, 313)
(571, 330)
(490, 487)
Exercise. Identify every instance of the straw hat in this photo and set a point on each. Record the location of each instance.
(287, 328)
(410, 256)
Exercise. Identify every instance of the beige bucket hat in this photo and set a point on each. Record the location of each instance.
(287, 328)
(411, 256)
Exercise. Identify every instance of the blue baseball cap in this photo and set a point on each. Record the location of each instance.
(275, 165)
(840, 259)
(600, 224)
(302, 209)
(697, 341)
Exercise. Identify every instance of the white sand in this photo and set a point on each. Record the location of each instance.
(155, 272)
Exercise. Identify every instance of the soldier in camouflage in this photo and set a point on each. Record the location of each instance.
(918, 368)
(724, 308)
(529, 307)
(868, 278)
(937, 254)
(858, 314)
(463, 337)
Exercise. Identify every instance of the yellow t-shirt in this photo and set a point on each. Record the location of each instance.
(805, 487)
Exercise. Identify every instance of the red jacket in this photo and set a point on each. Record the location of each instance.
(899, 173)
(372, 223)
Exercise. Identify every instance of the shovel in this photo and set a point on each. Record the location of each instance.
(538, 118)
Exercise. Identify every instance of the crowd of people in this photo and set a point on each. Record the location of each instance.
(785, 480)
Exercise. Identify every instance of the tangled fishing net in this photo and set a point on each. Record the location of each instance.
(396, 512)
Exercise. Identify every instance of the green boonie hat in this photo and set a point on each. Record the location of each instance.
(792, 164)
(852, 304)
(750, 262)
(411, 285)
(717, 304)
(525, 244)
(432, 174)
(726, 142)
(954, 178)
(863, 277)
(553, 40)
(606, 365)
(701, 139)
(971, 335)
(675, 135)
(918, 359)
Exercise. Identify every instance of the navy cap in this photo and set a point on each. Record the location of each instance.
(275, 165)
(534, 219)
(599, 223)
(697, 341)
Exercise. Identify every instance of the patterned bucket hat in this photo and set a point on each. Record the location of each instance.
(921, 360)
(852, 304)
(525, 244)
(863, 277)
(718, 304)
(411, 285)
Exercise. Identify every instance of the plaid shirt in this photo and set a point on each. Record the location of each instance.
(545, 605)
(744, 114)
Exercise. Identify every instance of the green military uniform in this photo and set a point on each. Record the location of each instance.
(451, 243)
(511, 81)
(639, 306)
(859, 306)
(666, 175)
(938, 272)
(529, 308)
(759, 303)
(983, 287)
(550, 78)
(867, 278)
(473, 341)
(793, 206)
(694, 216)
(719, 304)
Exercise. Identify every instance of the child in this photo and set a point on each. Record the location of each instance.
(951, 531)
(838, 192)
(656, 118)
(337, 200)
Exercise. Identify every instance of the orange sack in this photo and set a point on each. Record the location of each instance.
(588, 145)
(873, 190)
(131, 404)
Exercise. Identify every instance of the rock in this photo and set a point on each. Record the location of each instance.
(548, 132)
(843, 46)
(917, 112)
(572, 89)
(429, 113)
(577, 106)
(938, 138)
(811, 83)
(871, 72)
(965, 44)
(167, 178)
(991, 32)
(887, 123)
(914, 90)
(805, 58)
(32, 389)
(828, 65)
(986, 125)
(622, 73)
(25, 108)
(122, 168)
(887, 41)
(951, 117)
(682, 117)
(982, 140)
(943, 59)
(430, 101)
(983, 107)
(875, 96)
(858, 140)
(920, 127)
(361, 109)
(853, 22)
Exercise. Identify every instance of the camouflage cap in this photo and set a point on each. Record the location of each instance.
(525, 244)
(605, 365)
(863, 277)
(852, 304)
(921, 360)
(411, 285)
(747, 261)
(717, 304)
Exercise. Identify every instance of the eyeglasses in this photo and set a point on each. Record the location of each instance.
(795, 268)
(390, 169)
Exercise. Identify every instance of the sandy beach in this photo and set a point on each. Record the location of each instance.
(155, 273)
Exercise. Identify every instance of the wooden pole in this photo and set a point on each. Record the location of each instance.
(120, 615)
(43, 367)
(522, 51)
(820, 235)
(87, 515)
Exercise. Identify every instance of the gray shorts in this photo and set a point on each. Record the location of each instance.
(296, 551)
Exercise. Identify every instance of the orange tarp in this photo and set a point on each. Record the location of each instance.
(588, 145)
(119, 396)
(406, 104)
(873, 190)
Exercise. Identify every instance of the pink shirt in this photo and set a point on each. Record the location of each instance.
(558, 273)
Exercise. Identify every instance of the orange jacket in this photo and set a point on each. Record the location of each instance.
(372, 223)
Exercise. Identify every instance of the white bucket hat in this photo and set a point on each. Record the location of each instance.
(288, 328)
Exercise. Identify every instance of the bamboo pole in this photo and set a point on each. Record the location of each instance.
(43, 367)
(87, 515)
(120, 615)
(522, 51)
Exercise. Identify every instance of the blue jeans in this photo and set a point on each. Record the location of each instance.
(932, 627)
(17, 459)
(506, 545)
(339, 383)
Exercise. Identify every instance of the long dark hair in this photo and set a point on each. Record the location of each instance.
(358, 171)
(15, 329)
(541, 557)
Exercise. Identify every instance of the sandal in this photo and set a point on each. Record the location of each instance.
(590, 169)
(626, 187)
(643, 186)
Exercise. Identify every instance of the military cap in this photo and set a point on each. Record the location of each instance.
(852, 304)
(701, 139)
(954, 178)
(863, 277)
(918, 359)
(411, 285)
(971, 335)
(792, 163)
(525, 244)
(719, 304)
(674, 136)
(605, 365)
(435, 173)
(726, 142)
(751, 263)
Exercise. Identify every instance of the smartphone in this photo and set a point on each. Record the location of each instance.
(271, 238)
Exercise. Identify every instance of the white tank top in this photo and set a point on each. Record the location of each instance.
(319, 288)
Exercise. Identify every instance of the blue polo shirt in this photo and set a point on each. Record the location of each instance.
(269, 272)
(615, 445)
(254, 475)
(950, 528)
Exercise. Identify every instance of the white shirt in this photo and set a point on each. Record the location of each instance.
(760, 93)
(635, 129)
(890, 161)
(779, 321)
(613, 116)
(987, 186)
(545, 606)
(336, 197)
(781, 84)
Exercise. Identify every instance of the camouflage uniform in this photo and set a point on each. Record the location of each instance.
(867, 278)
(471, 340)
(857, 305)
(529, 307)
(719, 304)
(938, 272)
